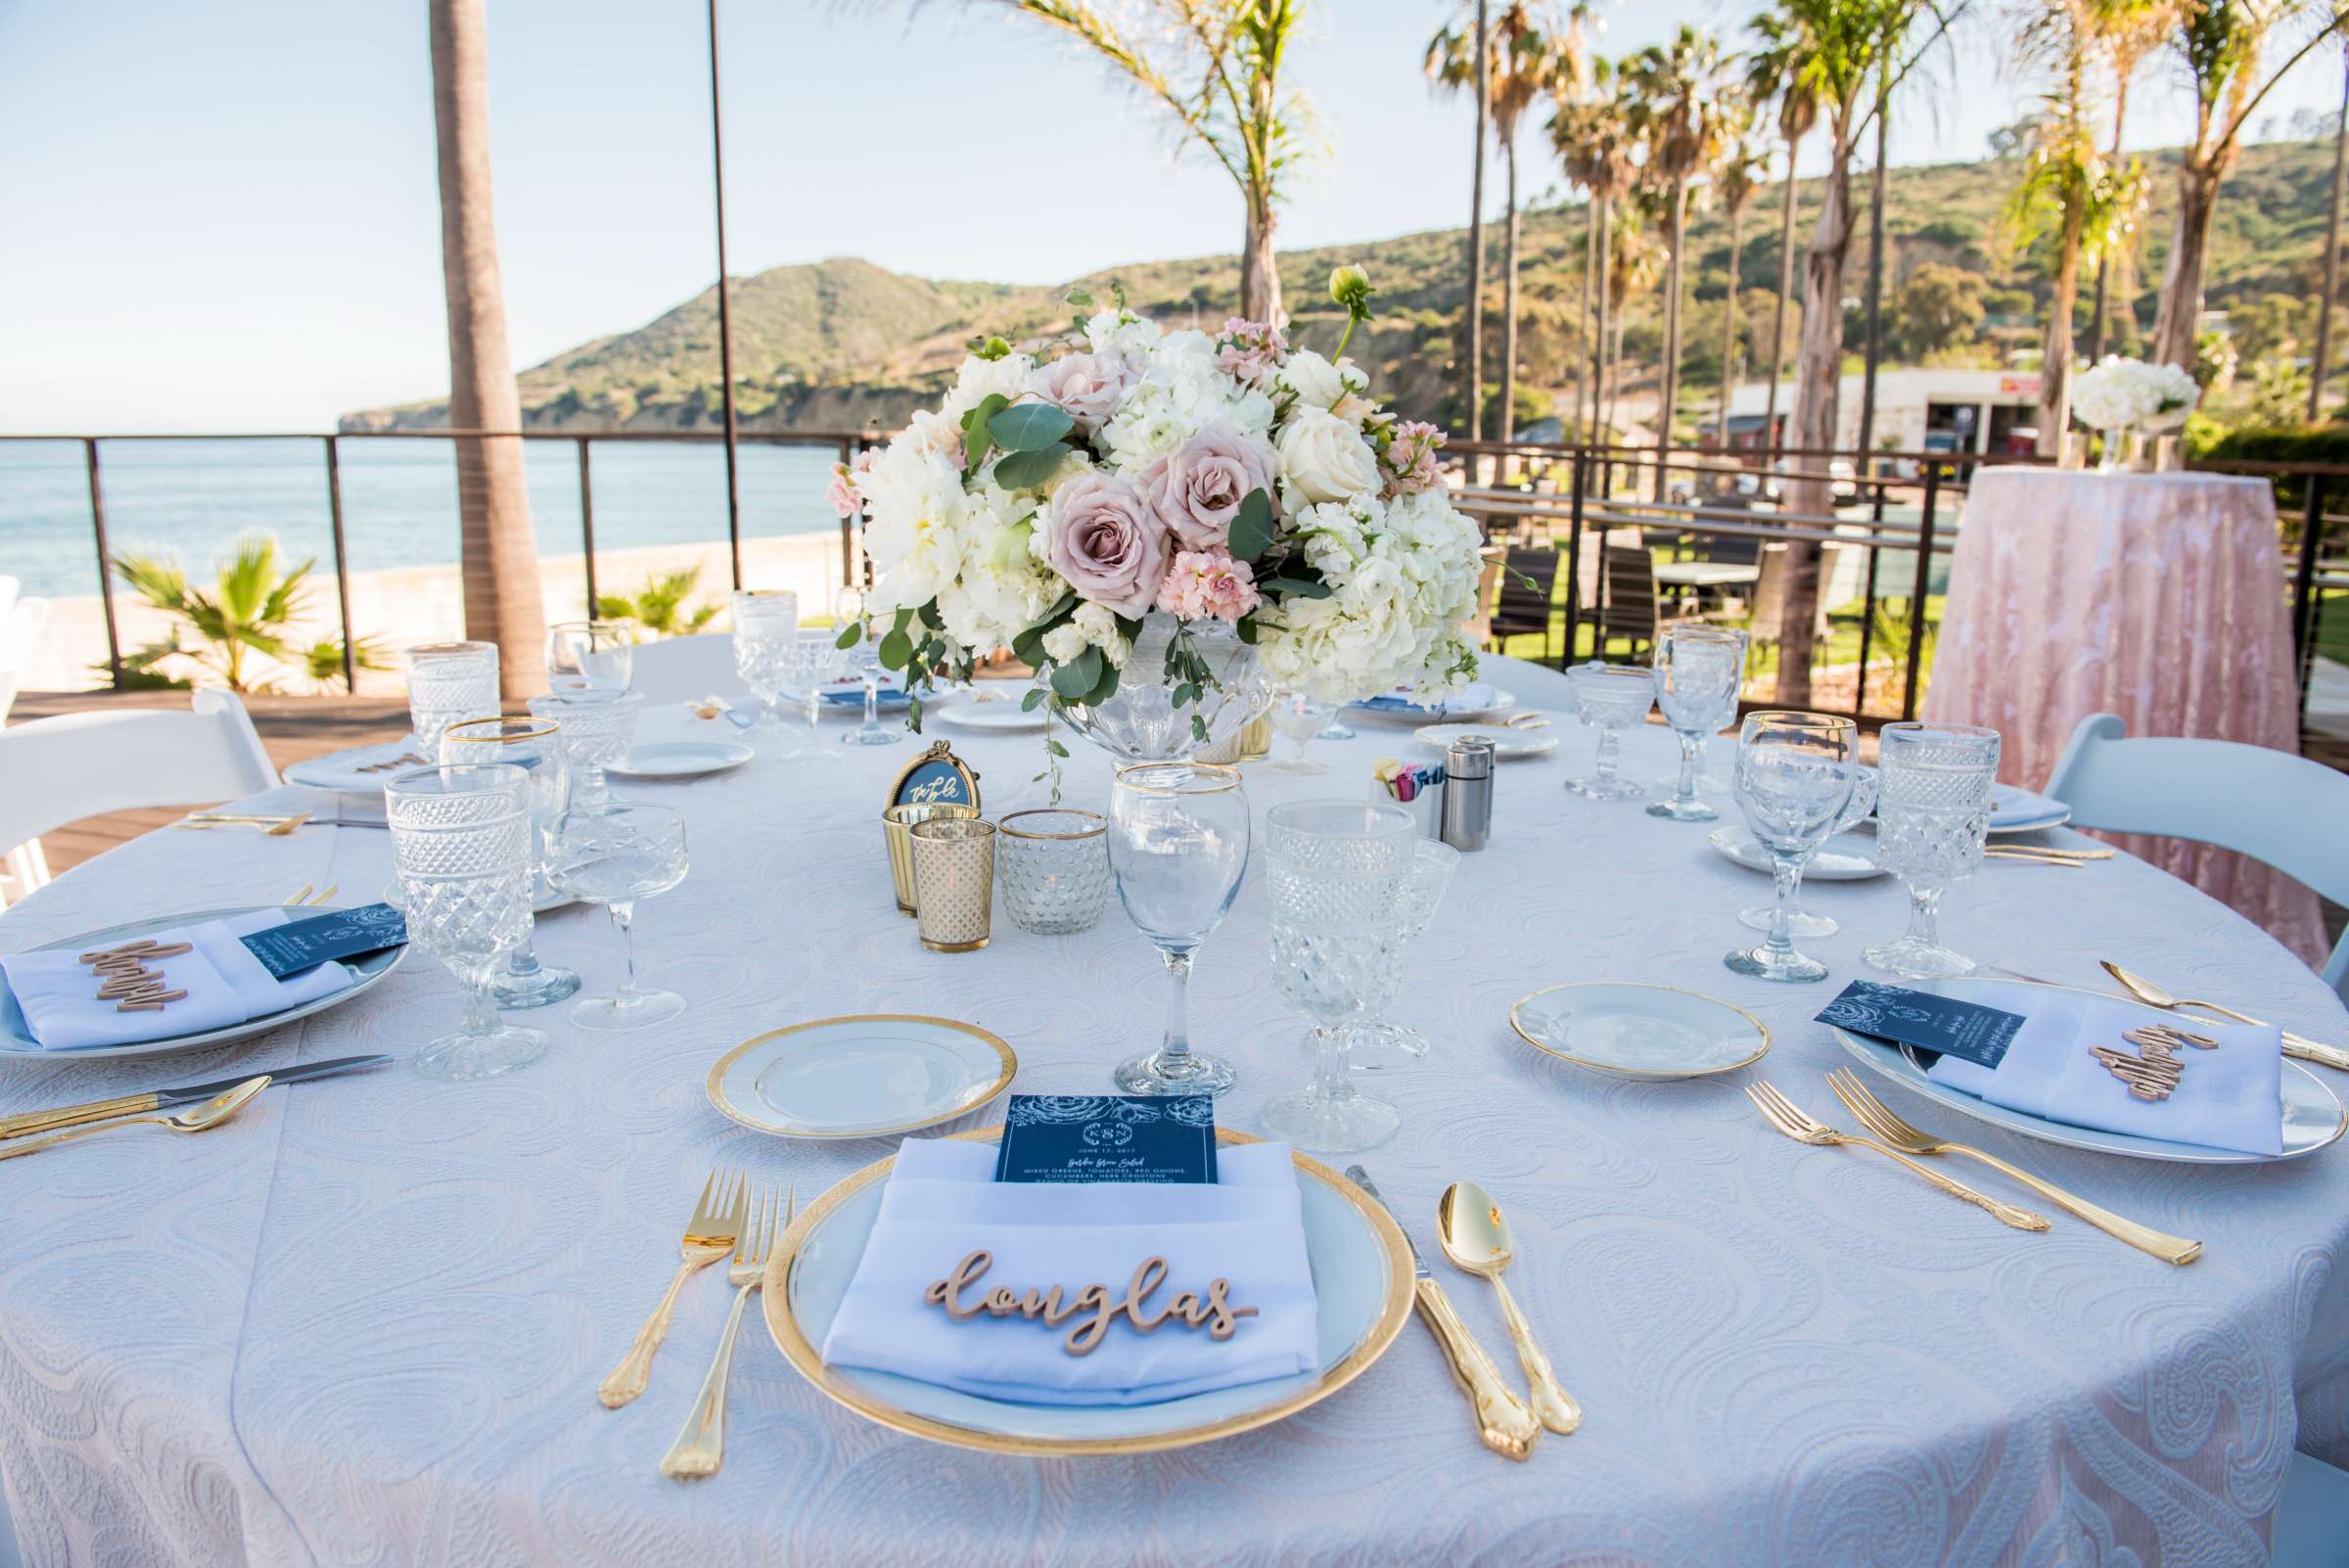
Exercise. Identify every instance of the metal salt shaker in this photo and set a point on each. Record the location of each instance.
(1468, 793)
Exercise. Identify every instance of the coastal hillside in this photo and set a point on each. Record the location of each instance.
(842, 343)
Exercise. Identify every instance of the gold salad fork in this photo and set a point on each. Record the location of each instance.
(1790, 1119)
(708, 1237)
(700, 1445)
(306, 897)
(1878, 1118)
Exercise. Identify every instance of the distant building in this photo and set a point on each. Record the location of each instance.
(1917, 410)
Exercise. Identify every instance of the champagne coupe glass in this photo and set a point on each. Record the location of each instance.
(615, 856)
(814, 662)
(589, 656)
(461, 851)
(1698, 670)
(1178, 837)
(1610, 698)
(596, 729)
(864, 656)
(766, 639)
(1801, 922)
(449, 681)
(1933, 802)
(1381, 1045)
(1301, 718)
(1794, 782)
(535, 747)
(1336, 871)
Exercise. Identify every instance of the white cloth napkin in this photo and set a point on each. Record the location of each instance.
(2011, 803)
(224, 984)
(2229, 1098)
(942, 1203)
(339, 770)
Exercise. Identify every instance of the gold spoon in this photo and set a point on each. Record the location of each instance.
(195, 1119)
(2153, 995)
(1476, 1237)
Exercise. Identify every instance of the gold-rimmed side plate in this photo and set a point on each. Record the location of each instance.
(1637, 1030)
(1362, 1276)
(864, 1076)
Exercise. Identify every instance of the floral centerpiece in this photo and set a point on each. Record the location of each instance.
(2118, 395)
(1161, 522)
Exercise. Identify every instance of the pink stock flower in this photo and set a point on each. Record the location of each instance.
(1198, 488)
(1410, 457)
(1088, 388)
(1205, 584)
(842, 493)
(1250, 350)
(1104, 538)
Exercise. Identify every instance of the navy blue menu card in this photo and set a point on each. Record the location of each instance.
(1939, 1024)
(299, 944)
(1108, 1137)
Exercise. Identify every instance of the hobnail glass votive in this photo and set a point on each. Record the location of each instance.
(955, 881)
(897, 831)
(1053, 868)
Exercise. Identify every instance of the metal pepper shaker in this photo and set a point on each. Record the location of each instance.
(1468, 793)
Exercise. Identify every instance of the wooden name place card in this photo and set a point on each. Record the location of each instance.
(1212, 1311)
(125, 978)
(2154, 1071)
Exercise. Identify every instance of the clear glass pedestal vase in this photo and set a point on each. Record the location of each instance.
(1140, 722)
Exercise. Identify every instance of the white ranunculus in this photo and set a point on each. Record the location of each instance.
(1066, 642)
(1322, 458)
(1313, 378)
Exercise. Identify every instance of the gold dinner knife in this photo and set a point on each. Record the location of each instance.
(28, 1123)
(1503, 1420)
(2295, 1045)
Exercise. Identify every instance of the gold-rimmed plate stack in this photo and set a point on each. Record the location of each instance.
(866, 1076)
(1635, 1030)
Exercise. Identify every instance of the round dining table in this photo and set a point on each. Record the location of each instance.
(363, 1322)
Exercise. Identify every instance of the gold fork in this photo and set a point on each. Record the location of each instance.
(1790, 1119)
(306, 896)
(700, 1445)
(708, 1237)
(1878, 1118)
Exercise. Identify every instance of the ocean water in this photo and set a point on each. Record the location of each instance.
(192, 497)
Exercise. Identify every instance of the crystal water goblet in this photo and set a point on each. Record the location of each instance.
(449, 681)
(1801, 923)
(854, 605)
(1793, 783)
(613, 856)
(533, 745)
(1382, 1045)
(766, 640)
(461, 852)
(1698, 673)
(814, 661)
(1933, 805)
(1301, 718)
(596, 729)
(589, 656)
(1610, 698)
(1179, 841)
(1336, 871)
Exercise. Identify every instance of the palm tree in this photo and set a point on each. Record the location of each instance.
(497, 554)
(1772, 72)
(1735, 184)
(2224, 45)
(2127, 31)
(2322, 357)
(1634, 266)
(1681, 91)
(251, 609)
(1589, 132)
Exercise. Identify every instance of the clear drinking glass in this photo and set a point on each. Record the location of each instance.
(1698, 673)
(813, 661)
(449, 681)
(461, 849)
(1301, 718)
(1800, 922)
(1178, 839)
(1336, 871)
(613, 856)
(596, 729)
(767, 642)
(534, 745)
(1610, 698)
(1794, 782)
(1382, 1045)
(1933, 802)
(589, 656)
(1052, 868)
(864, 658)
(1337, 728)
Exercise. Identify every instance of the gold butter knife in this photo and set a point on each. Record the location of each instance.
(2295, 1045)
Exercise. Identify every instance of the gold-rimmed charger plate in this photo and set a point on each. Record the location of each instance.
(863, 1076)
(1363, 1272)
(1639, 1031)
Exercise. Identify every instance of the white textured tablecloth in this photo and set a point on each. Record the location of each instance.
(363, 1324)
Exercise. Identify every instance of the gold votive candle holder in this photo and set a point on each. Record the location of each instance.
(896, 830)
(955, 878)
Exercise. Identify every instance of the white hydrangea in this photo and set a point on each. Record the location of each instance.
(1121, 332)
(2126, 394)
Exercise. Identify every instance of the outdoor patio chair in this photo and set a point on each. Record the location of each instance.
(2282, 810)
(1524, 608)
(1632, 608)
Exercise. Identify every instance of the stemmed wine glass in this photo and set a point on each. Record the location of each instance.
(535, 747)
(1933, 802)
(461, 851)
(1337, 872)
(1795, 779)
(813, 661)
(615, 856)
(1698, 673)
(1302, 718)
(1610, 698)
(1801, 922)
(864, 656)
(1179, 838)
(589, 656)
(766, 639)
(1380, 1045)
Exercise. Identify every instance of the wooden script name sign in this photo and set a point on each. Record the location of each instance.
(1214, 1311)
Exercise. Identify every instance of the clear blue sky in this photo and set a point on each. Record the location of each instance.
(224, 218)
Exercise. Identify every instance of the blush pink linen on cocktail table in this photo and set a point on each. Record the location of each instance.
(2158, 597)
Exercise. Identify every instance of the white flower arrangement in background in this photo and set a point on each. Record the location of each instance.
(2131, 394)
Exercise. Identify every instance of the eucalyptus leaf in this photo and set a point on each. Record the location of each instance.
(1108, 687)
(850, 636)
(897, 651)
(1247, 628)
(1022, 469)
(1028, 426)
(1078, 675)
(1252, 530)
(1300, 587)
(1032, 700)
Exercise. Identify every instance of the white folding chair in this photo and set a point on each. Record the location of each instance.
(677, 669)
(2312, 1521)
(2275, 808)
(20, 625)
(62, 769)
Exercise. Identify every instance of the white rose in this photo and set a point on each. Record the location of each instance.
(1313, 378)
(1322, 458)
(1097, 623)
(1065, 643)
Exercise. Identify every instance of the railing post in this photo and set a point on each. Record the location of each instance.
(1916, 594)
(847, 533)
(105, 562)
(2304, 585)
(588, 525)
(333, 522)
(1574, 561)
(1868, 602)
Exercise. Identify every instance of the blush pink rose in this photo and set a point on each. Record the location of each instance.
(1103, 537)
(1208, 583)
(1088, 388)
(1198, 488)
